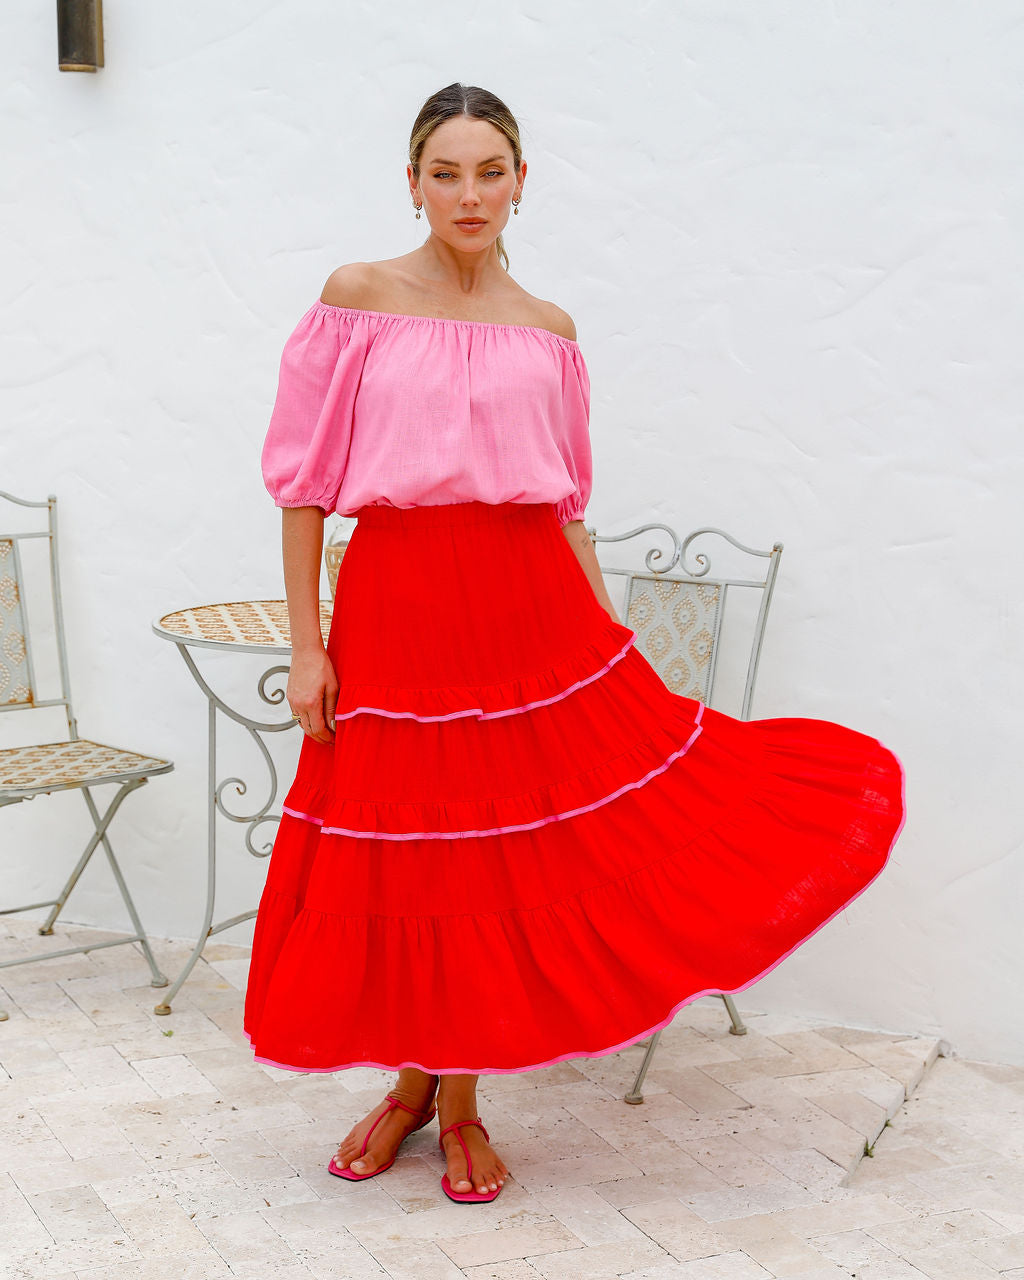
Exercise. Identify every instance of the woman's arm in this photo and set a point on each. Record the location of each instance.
(312, 685)
(578, 538)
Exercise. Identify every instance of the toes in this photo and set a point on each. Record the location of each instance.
(488, 1174)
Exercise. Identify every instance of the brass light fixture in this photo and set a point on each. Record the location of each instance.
(79, 34)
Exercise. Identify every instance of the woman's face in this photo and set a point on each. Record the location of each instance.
(466, 183)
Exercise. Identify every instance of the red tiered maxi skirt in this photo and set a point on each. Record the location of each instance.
(521, 847)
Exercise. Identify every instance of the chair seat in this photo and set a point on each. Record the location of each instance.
(58, 766)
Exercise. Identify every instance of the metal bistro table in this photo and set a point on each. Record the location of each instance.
(243, 626)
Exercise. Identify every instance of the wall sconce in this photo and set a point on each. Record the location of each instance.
(79, 34)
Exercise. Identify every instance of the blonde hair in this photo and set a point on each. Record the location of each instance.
(476, 103)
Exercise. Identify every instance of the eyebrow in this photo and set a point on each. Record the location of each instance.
(455, 164)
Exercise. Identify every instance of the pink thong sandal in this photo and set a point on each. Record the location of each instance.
(465, 1197)
(427, 1115)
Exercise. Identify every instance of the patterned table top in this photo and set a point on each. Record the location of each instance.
(253, 626)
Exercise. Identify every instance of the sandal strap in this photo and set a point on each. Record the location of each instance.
(405, 1106)
(392, 1103)
(459, 1123)
(455, 1128)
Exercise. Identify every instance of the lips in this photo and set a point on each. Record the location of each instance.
(470, 222)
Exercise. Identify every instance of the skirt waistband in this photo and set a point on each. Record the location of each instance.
(379, 515)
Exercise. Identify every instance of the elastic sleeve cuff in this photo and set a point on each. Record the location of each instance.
(570, 508)
(326, 505)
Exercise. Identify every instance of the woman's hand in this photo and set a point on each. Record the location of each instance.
(313, 692)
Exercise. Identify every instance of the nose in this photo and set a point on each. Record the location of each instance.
(469, 193)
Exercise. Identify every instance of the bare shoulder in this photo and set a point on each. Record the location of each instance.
(557, 320)
(391, 286)
(349, 286)
(372, 286)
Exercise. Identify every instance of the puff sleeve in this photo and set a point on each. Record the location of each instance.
(307, 443)
(575, 445)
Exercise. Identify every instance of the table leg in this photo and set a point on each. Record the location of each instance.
(215, 805)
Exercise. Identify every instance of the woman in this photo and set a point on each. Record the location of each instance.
(507, 843)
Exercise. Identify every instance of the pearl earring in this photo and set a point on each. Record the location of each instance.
(516, 203)
(417, 207)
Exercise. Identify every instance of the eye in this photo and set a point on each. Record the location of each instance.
(443, 174)
(497, 172)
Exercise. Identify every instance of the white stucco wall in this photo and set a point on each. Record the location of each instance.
(790, 236)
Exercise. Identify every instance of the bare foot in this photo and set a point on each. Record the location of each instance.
(489, 1170)
(384, 1141)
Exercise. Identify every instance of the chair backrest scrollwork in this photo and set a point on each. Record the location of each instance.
(676, 605)
(16, 680)
(19, 690)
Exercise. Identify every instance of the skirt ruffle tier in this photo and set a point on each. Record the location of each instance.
(521, 846)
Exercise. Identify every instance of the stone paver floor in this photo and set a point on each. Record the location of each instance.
(138, 1147)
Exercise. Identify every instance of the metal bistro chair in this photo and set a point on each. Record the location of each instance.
(27, 772)
(678, 621)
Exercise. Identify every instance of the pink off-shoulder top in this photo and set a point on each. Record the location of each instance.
(376, 408)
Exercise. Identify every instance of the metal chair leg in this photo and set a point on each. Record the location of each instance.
(737, 1028)
(635, 1097)
(100, 823)
(158, 979)
(46, 928)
